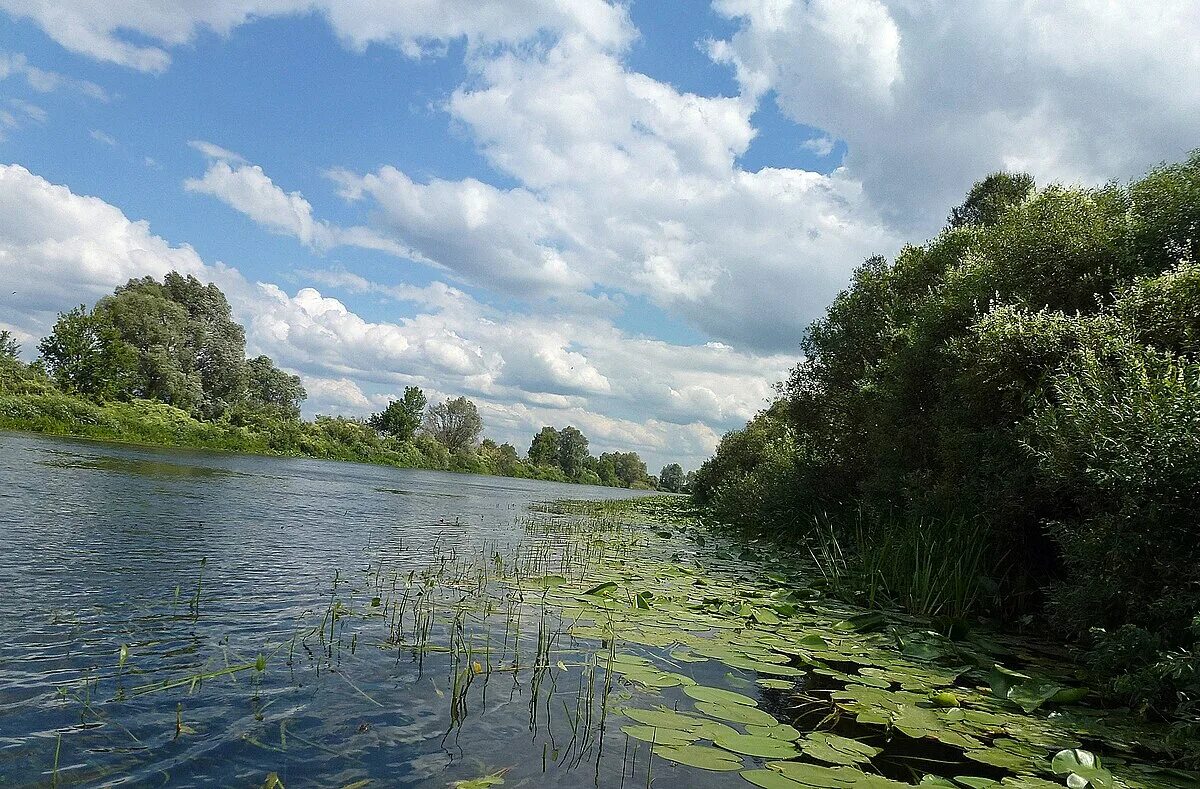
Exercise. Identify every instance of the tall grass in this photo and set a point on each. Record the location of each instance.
(926, 566)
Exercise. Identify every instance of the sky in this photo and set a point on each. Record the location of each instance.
(620, 216)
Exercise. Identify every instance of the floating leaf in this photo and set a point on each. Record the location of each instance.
(666, 737)
(769, 779)
(601, 589)
(702, 757)
(753, 745)
(718, 695)
(737, 713)
(663, 719)
(835, 749)
(1082, 769)
(780, 731)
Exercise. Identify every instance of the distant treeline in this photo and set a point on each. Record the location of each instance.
(1006, 420)
(165, 363)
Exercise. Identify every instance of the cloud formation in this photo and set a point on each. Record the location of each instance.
(523, 370)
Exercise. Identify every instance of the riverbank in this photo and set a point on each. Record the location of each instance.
(33, 406)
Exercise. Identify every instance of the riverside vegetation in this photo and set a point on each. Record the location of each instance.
(1005, 422)
(165, 363)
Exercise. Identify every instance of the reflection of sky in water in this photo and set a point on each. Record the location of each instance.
(103, 546)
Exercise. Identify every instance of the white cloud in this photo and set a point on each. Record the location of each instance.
(523, 370)
(138, 35)
(931, 96)
(43, 81)
(103, 138)
(626, 183)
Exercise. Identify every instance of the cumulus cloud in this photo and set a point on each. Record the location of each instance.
(931, 96)
(524, 371)
(625, 183)
(138, 35)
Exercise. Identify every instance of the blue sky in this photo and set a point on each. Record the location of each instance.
(619, 216)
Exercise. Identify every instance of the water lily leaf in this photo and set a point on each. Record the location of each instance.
(702, 757)
(718, 695)
(753, 745)
(665, 737)
(769, 779)
(764, 616)
(781, 731)
(870, 620)
(736, 713)
(601, 589)
(1082, 769)
(711, 730)
(775, 684)
(663, 719)
(812, 775)
(835, 749)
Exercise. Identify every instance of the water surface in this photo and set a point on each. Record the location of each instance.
(198, 561)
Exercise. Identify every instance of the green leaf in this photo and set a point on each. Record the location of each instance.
(752, 745)
(718, 695)
(1082, 769)
(737, 713)
(702, 757)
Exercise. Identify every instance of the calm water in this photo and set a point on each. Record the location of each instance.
(196, 563)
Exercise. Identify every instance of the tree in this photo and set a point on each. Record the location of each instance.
(628, 468)
(86, 356)
(671, 478)
(572, 451)
(455, 423)
(990, 198)
(544, 449)
(191, 353)
(402, 417)
(10, 349)
(271, 390)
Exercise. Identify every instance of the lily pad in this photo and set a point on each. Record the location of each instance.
(702, 757)
(835, 749)
(665, 737)
(769, 779)
(752, 745)
(718, 695)
(1082, 769)
(737, 713)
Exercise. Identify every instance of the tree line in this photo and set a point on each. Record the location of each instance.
(164, 362)
(1019, 397)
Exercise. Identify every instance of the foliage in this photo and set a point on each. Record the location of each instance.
(402, 417)
(1026, 382)
(543, 451)
(10, 349)
(572, 451)
(455, 423)
(671, 478)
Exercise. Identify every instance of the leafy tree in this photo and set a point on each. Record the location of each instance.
(990, 198)
(402, 417)
(191, 353)
(455, 423)
(671, 478)
(87, 356)
(544, 449)
(628, 468)
(572, 451)
(273, 391)
(10, 349)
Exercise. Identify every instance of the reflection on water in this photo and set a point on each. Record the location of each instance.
(184, 618)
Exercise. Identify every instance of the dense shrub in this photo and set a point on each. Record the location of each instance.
(1028, 379)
